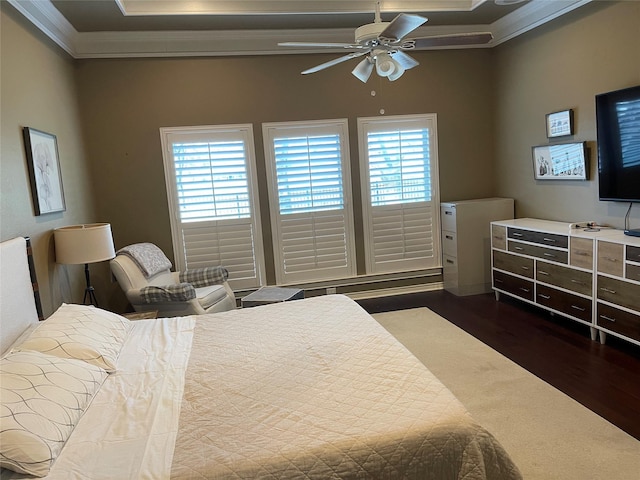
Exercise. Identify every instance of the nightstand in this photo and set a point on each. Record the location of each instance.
(141, 315)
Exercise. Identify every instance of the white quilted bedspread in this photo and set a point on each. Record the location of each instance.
(318, 389)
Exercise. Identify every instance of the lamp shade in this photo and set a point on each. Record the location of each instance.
(88, 243)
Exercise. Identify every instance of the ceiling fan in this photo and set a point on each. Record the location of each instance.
(383, 45)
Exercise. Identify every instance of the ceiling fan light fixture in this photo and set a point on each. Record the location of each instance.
(385, 65)
(397, 74)
(363, 70)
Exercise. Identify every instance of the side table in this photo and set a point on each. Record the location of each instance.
(267, 295)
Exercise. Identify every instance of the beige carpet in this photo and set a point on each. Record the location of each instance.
(549, 435)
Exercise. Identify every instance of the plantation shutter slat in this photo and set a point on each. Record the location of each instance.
(400, 193)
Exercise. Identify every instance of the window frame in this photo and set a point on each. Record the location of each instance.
(209, 133)
(272, 130)
(410, 122)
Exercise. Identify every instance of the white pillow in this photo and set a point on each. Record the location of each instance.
(82, 332)
(42, 399)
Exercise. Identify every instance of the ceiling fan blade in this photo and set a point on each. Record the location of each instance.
(325, 44)
(404, 60)
(333, 62)
(401, 26)
(477, 38)
(363, 70)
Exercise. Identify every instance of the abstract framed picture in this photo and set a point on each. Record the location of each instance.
(560, 124)
(44, 171)
(561, 161)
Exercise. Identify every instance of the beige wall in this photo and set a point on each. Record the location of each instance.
(38, 90)
(563, 64)
(125, 102)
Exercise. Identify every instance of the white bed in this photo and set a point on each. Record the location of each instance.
(314, 388)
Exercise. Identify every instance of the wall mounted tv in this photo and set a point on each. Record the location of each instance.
(618, 128)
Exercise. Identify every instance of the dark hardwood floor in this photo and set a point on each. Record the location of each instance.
(604, 378)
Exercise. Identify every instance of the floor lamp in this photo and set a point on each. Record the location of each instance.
(89, 243)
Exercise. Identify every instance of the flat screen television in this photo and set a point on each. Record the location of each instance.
(618, 129)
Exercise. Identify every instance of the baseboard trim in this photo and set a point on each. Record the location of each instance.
(389, 292)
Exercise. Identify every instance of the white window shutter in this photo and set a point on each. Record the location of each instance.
(309, 184)
(399, 179)
(212, 190)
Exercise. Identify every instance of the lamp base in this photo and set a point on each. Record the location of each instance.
(89, 292)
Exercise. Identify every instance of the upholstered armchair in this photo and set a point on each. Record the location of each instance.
(144, 274)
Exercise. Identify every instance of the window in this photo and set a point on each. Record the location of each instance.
(309, 184)
(210, 185)
(398, 165)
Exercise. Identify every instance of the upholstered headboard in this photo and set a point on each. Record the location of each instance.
(19, 297)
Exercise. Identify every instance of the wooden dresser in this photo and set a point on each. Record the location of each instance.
(592, 277)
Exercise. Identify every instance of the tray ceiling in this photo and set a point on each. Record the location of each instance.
(137, 28)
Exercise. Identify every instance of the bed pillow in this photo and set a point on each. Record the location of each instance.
(42, 399)
(82, 332)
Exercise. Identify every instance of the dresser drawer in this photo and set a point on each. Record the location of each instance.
(450, 273)
(514, 285)
(564, 302)
(619, 292)
(633, 254)
(610, 258)
(581, 253)
(565, 277)
(619, 321)
(449, 243)
(633, 272)
(560, 256)
(499, 237)
(550, 239)
(448, 218)
(513, 263)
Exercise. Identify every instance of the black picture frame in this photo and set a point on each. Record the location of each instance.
(559, 124)
(560, 161)
(43, 162)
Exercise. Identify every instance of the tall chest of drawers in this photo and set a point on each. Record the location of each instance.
(592, 277)
(466, 244)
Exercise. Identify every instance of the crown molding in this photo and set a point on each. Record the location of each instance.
(276, 7)
(48, 19)
(530, 16)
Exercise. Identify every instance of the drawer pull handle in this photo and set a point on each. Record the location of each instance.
(542, 272)
(576, 307)
(525, 268)
(549, 240)
(608, 290)
(526, 290)
(516, 234)
(611, 259)
(450, 261)
(449, 237)
(448, 213)
(578, 282)
(551, 255)
(546, 297)
(609, 319)
(497, 280)
(518, 248)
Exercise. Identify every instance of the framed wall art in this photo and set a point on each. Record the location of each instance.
(44, 171)
(562, 161)
(560, 124)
